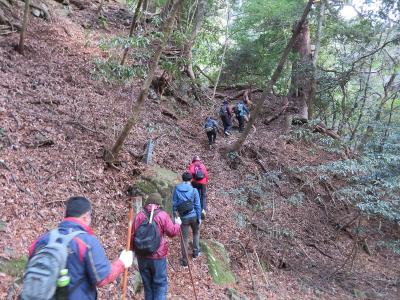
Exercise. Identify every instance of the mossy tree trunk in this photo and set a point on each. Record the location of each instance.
(111, 155)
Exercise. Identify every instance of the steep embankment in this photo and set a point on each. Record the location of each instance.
(55, 121)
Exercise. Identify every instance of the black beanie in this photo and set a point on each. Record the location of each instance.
(77, 206)
(187, 176)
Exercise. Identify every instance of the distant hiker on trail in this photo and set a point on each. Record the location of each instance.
(211, 128)
(225, 112)
(200, 179)
(241, 112)
(151, 248)
(72, 243)
(186, 201)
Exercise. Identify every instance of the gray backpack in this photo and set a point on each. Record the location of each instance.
(43, 269)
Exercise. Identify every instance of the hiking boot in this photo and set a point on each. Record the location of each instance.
(227, 133)
(195, 256)
(210, 147)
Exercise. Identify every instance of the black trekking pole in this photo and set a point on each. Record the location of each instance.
(190, 270)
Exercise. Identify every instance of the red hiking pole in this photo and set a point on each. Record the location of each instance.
(128, 246)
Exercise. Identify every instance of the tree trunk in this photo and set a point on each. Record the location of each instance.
(111, 155)
(187, 49)
(24, 25)
(313, 91)
(225, 47)
(300, 89)
(268, 91)
(370, 128)
(132, 28)
(364, 99)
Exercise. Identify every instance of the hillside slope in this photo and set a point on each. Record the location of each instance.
(56, 120)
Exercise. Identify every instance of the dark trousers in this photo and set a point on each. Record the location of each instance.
(154, 277)
(241, 122)
(186, 224)
(202, 192)
(212, 135)
(227, 122)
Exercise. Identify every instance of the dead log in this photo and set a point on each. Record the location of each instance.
(321, 128)
(276, 116)
(169, 113)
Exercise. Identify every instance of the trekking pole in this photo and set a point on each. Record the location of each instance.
(128, 246)
(190, 270)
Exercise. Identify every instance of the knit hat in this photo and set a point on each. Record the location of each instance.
(154, 198)
(187, 176)
(196, 158)
(77, 206)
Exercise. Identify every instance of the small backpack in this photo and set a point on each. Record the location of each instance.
(223, 111)
(147, 237)
(43, 269)
(198, 172)
(186, 206)
(209, 126)
(239, 109)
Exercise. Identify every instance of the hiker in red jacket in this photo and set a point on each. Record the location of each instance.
(153, 267)
(199, 181)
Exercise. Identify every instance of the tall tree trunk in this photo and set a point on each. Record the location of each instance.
(313, 92)
(386, 134)
(132, 28)
(111, 155)
(300, 89)
(363, 100)
(370, 128)
(187, 49)
(24, 25)
(228, 15)
(268, 91)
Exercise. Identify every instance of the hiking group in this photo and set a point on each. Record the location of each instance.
(69, 262)
(226, 112)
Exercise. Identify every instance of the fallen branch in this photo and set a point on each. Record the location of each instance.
(319, 250)
(276, 116)
(321, 128)
(19, 186)
(85, 127)
(168, 113)
(248, 265)
(304, 251)
(261, 269)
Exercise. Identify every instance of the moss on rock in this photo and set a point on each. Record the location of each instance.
(159, 180)
(218, 262)
(13, 267)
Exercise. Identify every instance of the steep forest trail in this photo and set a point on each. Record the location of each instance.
(56, 119)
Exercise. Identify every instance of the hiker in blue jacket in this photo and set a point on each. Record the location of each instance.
(211, 128)
(87, 263)
(241, 112)
(186, 201)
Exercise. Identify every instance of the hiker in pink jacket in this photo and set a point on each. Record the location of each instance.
(153, 266)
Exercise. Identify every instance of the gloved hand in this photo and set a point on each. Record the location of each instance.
(199, 221)
(203, 214)
(126, 257)
(178, 221)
